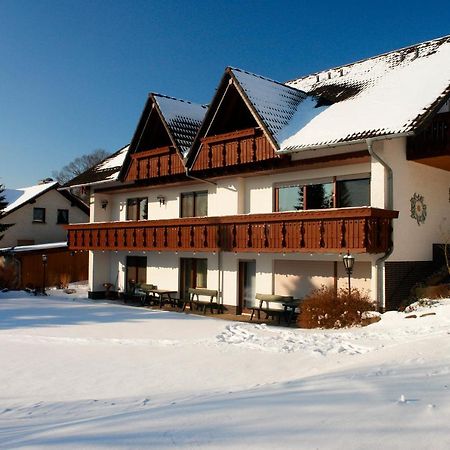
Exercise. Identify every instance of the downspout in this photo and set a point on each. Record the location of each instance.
(220, 276)
(198, 179)
(379, 263)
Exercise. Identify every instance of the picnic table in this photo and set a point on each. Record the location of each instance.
(161, 296)
(277, 306)
(203, 298)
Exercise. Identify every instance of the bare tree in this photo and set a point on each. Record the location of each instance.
(79, 165)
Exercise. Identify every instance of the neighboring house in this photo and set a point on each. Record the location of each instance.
(268, 188)
(33, 252)
(39, 214)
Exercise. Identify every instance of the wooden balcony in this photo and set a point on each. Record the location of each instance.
(360, 230)
(432, 145)
(234, 149)
(154, 164)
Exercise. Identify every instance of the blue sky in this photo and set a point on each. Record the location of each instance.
(75, 74)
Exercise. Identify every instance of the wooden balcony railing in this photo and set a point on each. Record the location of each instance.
(234, 149)
(361, 230)
(432, 145)
(155, 163)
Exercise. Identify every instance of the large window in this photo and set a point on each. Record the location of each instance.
(194, 204)
(137, 208)
(353, 192)
(39, 215)
(301, 196)
(297, 197)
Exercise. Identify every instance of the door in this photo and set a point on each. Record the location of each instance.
(136, 272)
(247, 278)
(193, 272)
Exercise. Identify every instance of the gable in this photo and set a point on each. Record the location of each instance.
(166, 130)
(154, 134)
(231, 115)
(244, 102)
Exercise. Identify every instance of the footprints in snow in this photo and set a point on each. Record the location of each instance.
(269, 339)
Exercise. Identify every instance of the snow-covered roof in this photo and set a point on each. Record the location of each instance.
(35, 247)
(18, 197)
(389, 94)
(183, 119)
(105, 171)
(275, 103)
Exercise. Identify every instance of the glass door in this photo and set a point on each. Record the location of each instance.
(136, 272)
(247, 283)
(193, 273)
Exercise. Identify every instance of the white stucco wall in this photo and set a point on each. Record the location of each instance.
(291, 274)
(412, 242)
(237, 195)
(41, 233)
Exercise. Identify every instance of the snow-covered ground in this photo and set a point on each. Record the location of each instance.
(93, 375)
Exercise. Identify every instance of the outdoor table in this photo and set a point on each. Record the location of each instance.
(289, 305)
(163, 296)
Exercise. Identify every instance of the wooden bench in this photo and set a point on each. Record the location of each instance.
(274, 313)
(196, 296)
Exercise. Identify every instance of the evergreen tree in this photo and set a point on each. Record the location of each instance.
(3, 204)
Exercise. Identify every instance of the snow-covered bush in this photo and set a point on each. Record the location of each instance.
(326, 308)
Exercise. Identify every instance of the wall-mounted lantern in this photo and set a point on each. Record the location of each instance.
(161, 199)
(104, 203)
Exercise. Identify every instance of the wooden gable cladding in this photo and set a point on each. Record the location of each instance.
(432, 145)
(155, 163)
(360, 230)
(234, 149)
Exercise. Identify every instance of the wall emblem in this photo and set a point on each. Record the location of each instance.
(418, 208)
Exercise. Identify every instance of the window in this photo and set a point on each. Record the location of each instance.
(353, 192)
(39, 215)
(349, 193)
(290, 198)
(62, 216)
(297, 197)
(137, 208)
(319, 196)
(194, 204)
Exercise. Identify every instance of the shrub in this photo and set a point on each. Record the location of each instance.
(326, 308)
(8, 276)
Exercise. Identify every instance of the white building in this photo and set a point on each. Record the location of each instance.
(38, 214)
(269, 187)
